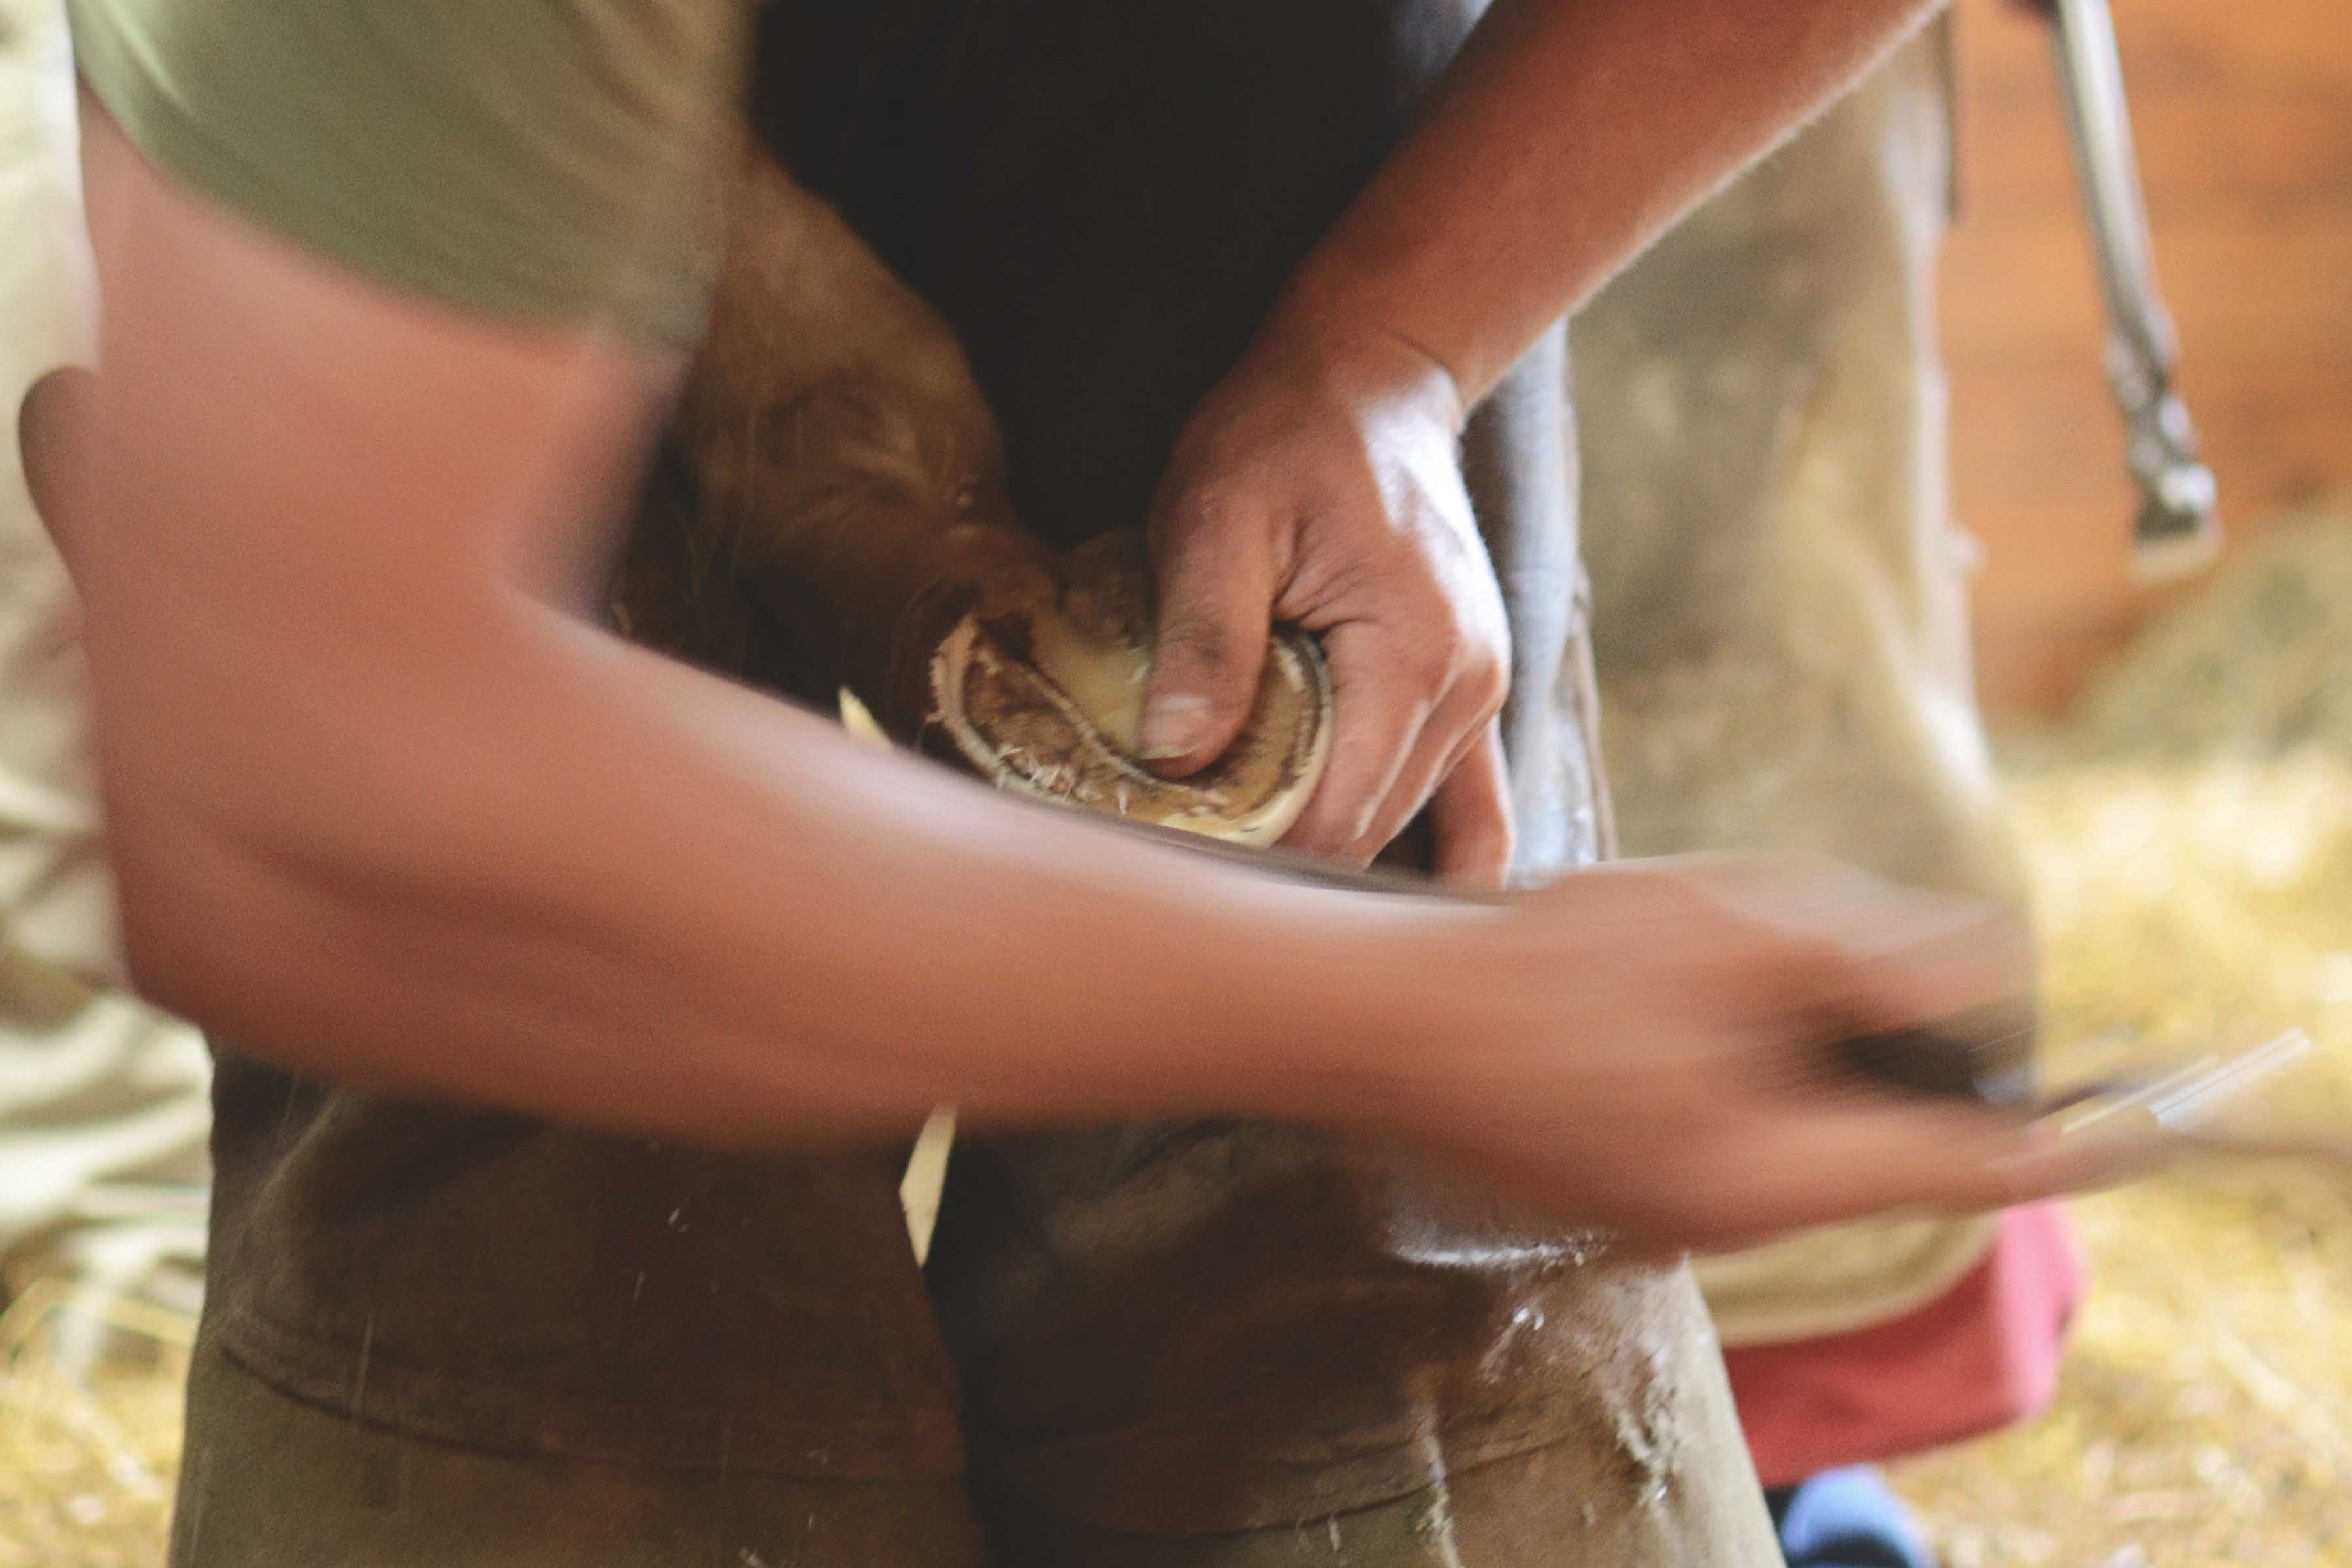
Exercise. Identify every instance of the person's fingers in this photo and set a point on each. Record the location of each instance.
(1471, 813)
(51, 424)
(1791, 1169)
(2087, 1154)
(1445, 739)
(1881, 956)
(1379, 704)
(1848, 1163)
(1473, 692)
(1217, 586)
(1434, 753)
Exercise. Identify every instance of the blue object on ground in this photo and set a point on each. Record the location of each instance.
(1846, 1519)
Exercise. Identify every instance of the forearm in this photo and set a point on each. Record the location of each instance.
(1565, 137)
(384, 805)
(607, 888)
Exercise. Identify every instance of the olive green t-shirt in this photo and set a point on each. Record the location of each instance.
(551, 161)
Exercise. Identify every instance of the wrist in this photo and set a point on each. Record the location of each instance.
(1385, 1004)
(1197, 989)
(1327, 332)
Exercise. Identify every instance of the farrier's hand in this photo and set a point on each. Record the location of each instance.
(1651, 1047)
(1319, 486)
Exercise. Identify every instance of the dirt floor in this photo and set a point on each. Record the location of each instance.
(2191, 837)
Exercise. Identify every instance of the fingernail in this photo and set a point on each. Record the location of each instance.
(2104, 1148)
(1174, 725)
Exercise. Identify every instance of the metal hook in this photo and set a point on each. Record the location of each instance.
(2177, 529)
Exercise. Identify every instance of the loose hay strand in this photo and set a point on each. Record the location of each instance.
(91, 1388)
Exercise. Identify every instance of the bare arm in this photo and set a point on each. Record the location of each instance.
(1564, 140)
(387, 806)
(1318, 484)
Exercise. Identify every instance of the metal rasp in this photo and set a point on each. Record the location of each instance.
(2177, 529)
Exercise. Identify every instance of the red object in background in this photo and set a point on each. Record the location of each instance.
(1979, 1357)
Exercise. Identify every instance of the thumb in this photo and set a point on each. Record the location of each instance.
(1216, 607)
(51, 424)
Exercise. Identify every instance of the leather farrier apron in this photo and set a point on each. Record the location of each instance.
(1784, 645)
(469, 1340)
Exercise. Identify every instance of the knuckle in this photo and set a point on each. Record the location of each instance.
(1447, 646)
(1487, 685)
(1433, 661)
